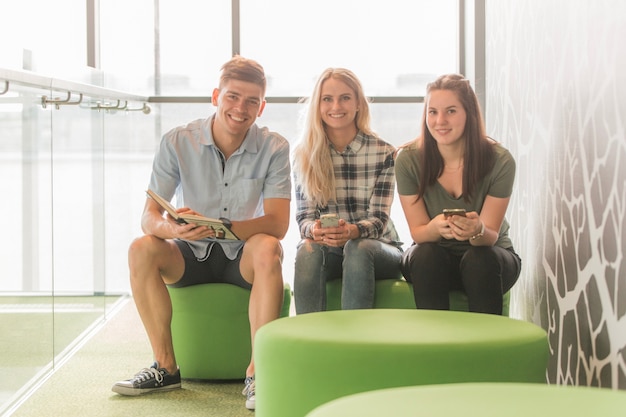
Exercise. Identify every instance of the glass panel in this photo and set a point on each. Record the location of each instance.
(26, 341)
(393, 46)
(45, 36)
(194, 41)
(52, 169)
(76, 181)
(25, 180)
(127, 45)
(130, 140)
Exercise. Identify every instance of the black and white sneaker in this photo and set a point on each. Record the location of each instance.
(148, 380)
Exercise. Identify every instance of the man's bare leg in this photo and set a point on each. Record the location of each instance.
(153, 262)
(261, 265)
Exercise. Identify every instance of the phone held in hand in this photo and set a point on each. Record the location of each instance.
(453, 212)
(329, 220)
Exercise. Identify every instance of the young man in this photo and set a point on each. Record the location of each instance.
(221, 167)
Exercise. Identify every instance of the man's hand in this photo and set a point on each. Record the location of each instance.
(189, 231)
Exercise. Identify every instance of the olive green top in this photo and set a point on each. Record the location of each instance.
(497, 183)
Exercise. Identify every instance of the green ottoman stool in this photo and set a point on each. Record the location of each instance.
(389, 293)
(211, 330)
(307, 360)
(479, 400)
(398, 293)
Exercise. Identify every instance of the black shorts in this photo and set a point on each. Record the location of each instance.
(216, 268)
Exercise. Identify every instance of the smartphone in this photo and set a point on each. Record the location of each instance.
(329, 220)
(453, 212)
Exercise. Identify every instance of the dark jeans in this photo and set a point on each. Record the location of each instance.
(485, 273)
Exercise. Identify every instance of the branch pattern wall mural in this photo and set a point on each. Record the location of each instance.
(556, 97)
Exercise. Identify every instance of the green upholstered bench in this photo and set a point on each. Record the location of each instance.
(479, 400)
(307, 360)
(211, 330)
(398, 293)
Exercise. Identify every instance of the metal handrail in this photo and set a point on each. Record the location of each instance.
(30, 79)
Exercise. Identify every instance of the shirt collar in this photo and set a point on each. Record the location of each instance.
(355, 145)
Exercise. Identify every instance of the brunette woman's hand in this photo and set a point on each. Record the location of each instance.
(464, 227)
(442, 225)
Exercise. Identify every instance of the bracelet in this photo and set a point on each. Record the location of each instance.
(479, 234)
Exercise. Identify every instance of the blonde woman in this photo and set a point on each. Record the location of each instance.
(342, 169)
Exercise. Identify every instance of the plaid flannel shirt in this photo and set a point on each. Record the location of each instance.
(365, 186)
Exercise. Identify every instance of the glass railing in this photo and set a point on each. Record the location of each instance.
(69, 158)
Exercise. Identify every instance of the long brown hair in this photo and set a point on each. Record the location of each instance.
(479, 154)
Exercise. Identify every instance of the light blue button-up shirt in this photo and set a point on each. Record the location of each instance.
(189, 165)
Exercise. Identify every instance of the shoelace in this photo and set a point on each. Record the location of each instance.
(147, 373)
(248, 390)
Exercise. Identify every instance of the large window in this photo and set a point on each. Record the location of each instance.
(175, 48)
(393, 46)
(45, 36)
(165, 47)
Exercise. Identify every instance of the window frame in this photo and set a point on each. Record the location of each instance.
(471, 21)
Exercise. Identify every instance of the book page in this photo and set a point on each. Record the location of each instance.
(221, 231)
(163, 203)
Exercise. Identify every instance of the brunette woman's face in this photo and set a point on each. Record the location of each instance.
(446, 117)
(338, 105)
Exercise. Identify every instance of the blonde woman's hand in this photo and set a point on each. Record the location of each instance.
(333, 236)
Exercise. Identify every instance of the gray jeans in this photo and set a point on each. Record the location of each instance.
(359, 264)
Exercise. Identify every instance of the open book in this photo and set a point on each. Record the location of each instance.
(221, 230)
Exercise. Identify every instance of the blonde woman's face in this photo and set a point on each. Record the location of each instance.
(338, 105)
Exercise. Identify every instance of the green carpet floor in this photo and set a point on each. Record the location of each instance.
(39, 330)
(82, 386)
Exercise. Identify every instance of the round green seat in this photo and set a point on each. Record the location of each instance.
(479, 400)
(307, 360)
(398, 293)
(211, 330)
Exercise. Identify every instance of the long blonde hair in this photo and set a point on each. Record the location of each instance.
(312, 163)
